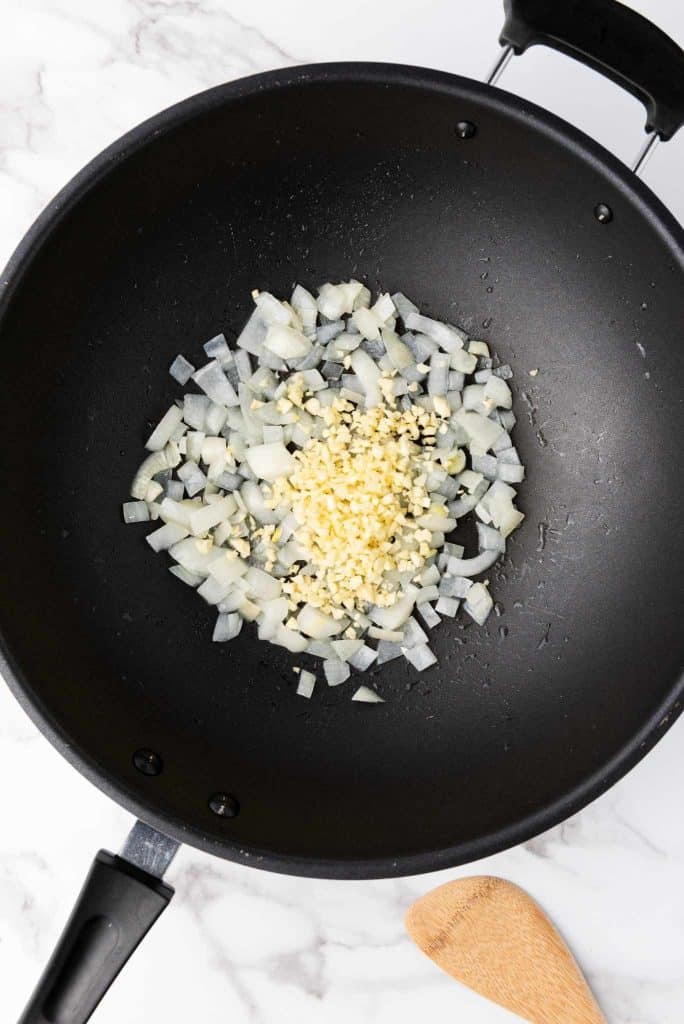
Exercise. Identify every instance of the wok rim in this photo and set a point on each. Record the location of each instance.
(47, 222)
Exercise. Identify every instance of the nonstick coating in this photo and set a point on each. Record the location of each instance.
(309, 175)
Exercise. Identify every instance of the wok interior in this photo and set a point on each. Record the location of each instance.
(319, 181)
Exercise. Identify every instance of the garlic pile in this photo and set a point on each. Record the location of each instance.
(312, 493)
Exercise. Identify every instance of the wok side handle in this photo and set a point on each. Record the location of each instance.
(613, 40)
(117, 906)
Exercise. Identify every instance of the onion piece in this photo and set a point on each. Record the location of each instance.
(313, 380)
(227, 568)
(344, 649)
(463, 362)
(429, 615)
(472, 566)
(400, 355)
(479, 348)
(248, 610)
(213, 449)
(365, 695)
(273, 614)
(290, 639)
(490, 539)
(227, 627)
(272, 310)
(181, 370)
(305, 306)
(255, 504)
(454, 586)
(390, 635)
(498, 391)
(194, 555)
(363, 658)
(333, 300)
(270, 461)
(368, 374)
(447, 606)
(328, 332)
(193, 478)
(320, 649)
(447, 337)
(336, 672)
(194, 442)
(215, 418)
(135, 512)
(439, 374)
(403, 305)
(478, 604)
(212, 591)
(213, 381)
(487, 465)
(387, 651)
(195, 409)
(509, 473)
(233, 600)
(152, 465)
(426, 594)
(317, 625)
(420, 656)
(261, 585)
(414, 634)
(253, 334)
(217, 348)
(384, 308)
(166, 536)
(306, 683)
(482, 432)
(367, 323)
(429, 576)
(286, 342)
(396, 615)
(192, 579)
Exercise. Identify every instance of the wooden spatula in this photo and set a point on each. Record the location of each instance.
(491, 936)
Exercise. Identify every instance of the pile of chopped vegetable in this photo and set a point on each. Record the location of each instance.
(311, 486)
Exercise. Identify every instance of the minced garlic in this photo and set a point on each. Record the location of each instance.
(356, 493)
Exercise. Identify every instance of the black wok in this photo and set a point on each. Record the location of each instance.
(493, 214)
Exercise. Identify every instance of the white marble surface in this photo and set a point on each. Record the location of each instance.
(240, 945)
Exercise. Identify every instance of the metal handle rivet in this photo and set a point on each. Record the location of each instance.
(465, 129)
(603, 213)
(225, 805)
(147, 762)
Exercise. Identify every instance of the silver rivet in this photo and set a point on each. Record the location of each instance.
(224, 805)
(465, 129)
(603, 213)
(147, 762)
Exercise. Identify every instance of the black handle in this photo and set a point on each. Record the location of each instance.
(116, 907)
(612, 39)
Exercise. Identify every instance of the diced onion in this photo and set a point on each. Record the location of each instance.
(270, 461)
(336, 672)
(166, 536)
(135, 512)
(365, 695)
(181, 370)
(420, 656)
(223, 469)
(307, 681)
(478, 603)
(227, 627)
(215, 384)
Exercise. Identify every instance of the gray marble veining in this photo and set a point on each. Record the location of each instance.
(239, 945)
